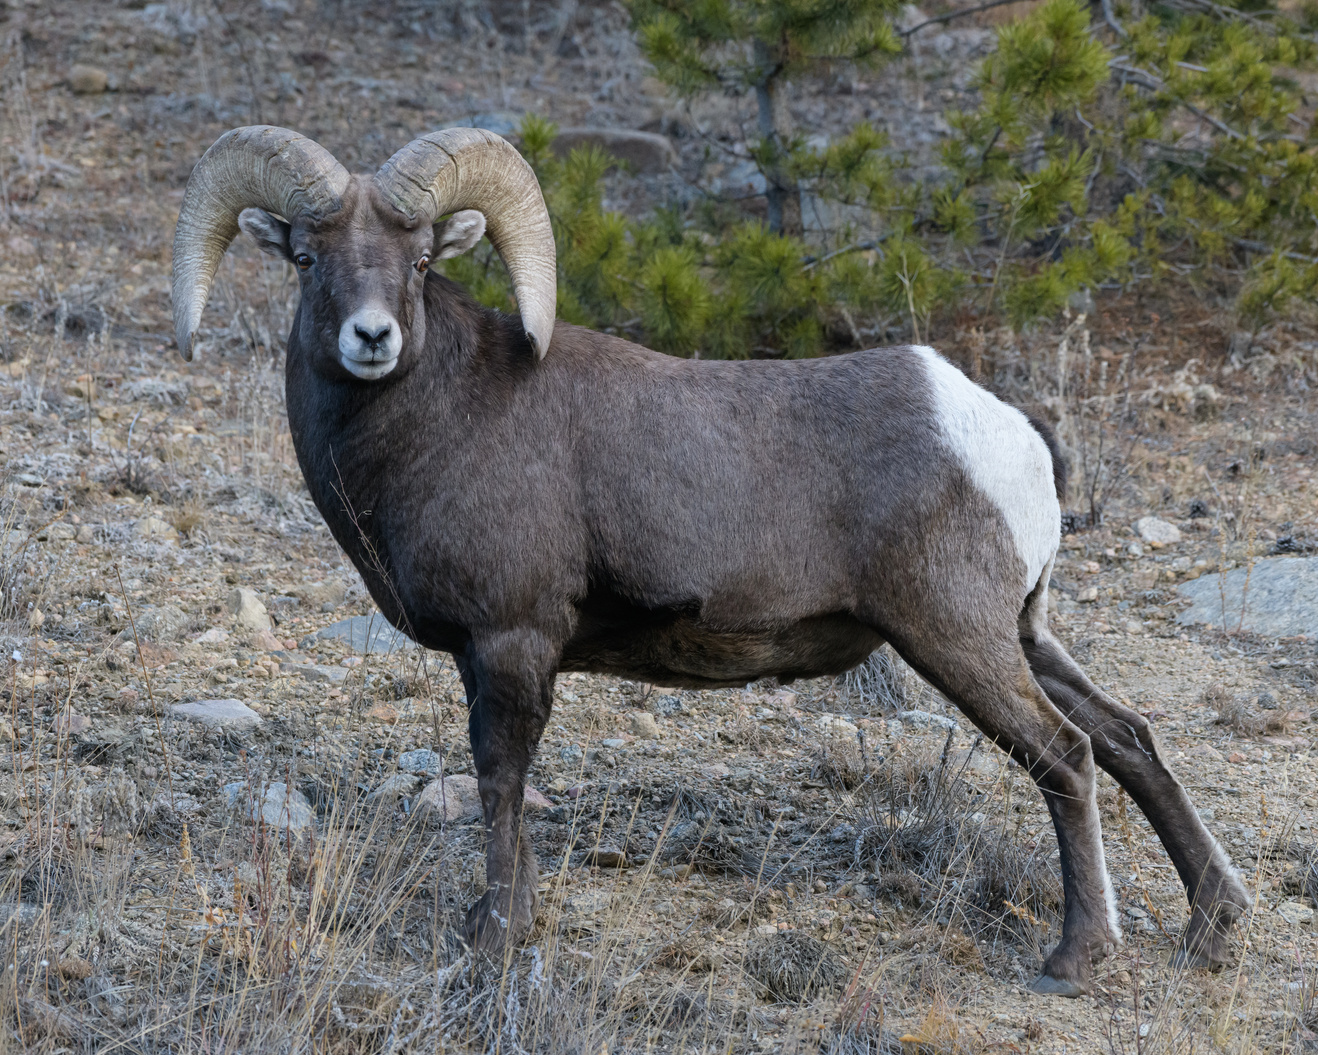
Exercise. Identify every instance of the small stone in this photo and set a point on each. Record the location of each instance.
(36, 619)
(666, 706)
(85, 533)
(383, 712)
(87, 80)
(422, 760)
(925, 720)
(317, 672)
(1135, 550)
(278, 806)
(644, 726)
(247, 610)
(266, 641)
(70, 723)
(57, 533)
(1236, 758)
(398, 786)
(606, 857)
(1154, 529)
(155, 529)
(613, 743)
(1088, 595)
(1296, 913)
(451, 800)
(535, 800)
(229, 714)
(161, 624)
(1132, 627)
(213, 636)
(364, 633)
(575, 792)
(1267, 701)
(832, 725)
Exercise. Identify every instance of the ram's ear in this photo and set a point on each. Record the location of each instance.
(269, 232)
(458, 233)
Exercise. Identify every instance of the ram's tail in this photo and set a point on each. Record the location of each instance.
(1054, 449)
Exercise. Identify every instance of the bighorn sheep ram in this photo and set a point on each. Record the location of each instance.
(534, 497)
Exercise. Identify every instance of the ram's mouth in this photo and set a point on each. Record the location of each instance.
(368, 369)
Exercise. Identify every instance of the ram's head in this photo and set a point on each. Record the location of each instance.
(361, 245)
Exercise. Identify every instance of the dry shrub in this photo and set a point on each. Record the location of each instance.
(942, 1032)
(840, 764)
(188, 516)
(877, 686)
(792, 966)
(1234, 711)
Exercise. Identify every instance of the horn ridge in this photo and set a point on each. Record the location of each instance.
(472, 168)
(260, 166)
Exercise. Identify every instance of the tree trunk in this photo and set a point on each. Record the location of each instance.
(784, 196)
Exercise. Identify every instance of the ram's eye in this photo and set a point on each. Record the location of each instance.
(303, 261)
(423, 264)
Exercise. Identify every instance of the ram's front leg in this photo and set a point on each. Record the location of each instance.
(509, 679)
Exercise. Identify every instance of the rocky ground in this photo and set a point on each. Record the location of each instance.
(237, 811)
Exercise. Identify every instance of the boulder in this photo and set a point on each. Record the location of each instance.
(277, 805)
(1282, 600)
(646, 153)
(1154, 529)
(364, 633)
(229, 715)
(247, 610)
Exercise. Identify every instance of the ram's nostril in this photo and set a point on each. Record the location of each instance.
(374, 333)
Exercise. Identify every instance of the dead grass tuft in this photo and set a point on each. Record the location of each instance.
(793, 966)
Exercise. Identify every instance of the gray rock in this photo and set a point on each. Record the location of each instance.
(229, 715)
(156, 529)
(278, 805)
(832, 725)
(1297, 913)
(502, 122)
(58, 533)
(1282, 600)
(666, 706)
(163, 624)
(1154, 529)
(87, 80)
(365, 633)
(422, 760)
(646, 153)
(247, 609)
(925, 720)
(451, 800)
(398, 786)
(644, 726)
(321, 674)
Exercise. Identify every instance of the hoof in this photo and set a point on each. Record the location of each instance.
(1196, 961)
(1047, 985)
(492, 925)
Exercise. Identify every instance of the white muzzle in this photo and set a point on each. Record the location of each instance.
(369, 342)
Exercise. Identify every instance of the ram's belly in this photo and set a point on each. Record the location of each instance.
(676, 649)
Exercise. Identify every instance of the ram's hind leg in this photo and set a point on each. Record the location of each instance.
(509, 679)
(991, 682)
(1124, 745)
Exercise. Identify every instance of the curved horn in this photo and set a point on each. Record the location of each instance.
(259, 165)
(470, 168)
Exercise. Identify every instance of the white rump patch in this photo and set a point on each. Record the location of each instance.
(1005, 458)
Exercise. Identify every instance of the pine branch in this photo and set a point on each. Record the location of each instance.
(955, 14)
